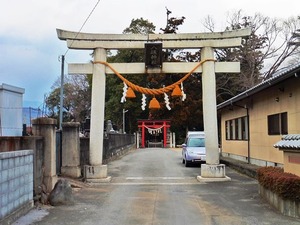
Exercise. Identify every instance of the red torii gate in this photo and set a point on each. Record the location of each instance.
(154, 124)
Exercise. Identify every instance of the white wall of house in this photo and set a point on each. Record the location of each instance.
(11, 105)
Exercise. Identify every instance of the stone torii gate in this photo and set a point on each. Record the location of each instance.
(212, 170)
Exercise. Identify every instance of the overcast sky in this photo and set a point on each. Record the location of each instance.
(29, 47)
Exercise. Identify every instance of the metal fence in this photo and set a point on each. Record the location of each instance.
(113, 145)
(30, 113)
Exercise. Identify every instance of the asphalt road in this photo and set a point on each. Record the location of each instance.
(152, 186)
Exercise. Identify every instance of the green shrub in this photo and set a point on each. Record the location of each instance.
(286, 185)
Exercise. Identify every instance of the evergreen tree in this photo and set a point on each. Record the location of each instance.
(114, 86)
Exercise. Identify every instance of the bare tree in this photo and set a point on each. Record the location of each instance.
(282, 51)
(261, 54)
(77, 95)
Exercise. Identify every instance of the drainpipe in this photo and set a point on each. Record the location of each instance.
(248, 131)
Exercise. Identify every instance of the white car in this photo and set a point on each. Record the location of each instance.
(193, 150)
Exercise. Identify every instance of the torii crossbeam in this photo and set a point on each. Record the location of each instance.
(212, 170)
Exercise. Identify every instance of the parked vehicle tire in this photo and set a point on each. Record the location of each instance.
(187, 163)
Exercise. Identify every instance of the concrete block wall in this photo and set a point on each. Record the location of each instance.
(10, 144)
(16, 182)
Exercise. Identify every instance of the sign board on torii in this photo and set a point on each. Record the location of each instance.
(212, 170)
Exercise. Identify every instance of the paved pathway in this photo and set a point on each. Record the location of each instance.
(152, 187)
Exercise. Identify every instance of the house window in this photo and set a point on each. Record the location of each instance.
(231, 128)
(244, 128)
(237, 129)
(284, 123)
(277, 124)
(227, 127)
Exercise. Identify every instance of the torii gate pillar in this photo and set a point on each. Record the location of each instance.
(212, 170)
(96, 172)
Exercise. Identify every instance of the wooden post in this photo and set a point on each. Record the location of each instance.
(165, 134)
(143, 134)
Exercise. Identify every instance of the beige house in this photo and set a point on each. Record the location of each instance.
(255, 120)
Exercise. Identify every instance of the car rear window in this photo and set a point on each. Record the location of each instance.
(196, 142)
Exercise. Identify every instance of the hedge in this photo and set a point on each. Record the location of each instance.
(286, 185)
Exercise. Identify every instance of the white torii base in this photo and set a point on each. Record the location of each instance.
(213, 173)
(96, 174)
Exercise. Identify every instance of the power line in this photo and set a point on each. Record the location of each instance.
(62, 67)
(83, 25)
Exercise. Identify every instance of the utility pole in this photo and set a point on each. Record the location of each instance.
(61, 91)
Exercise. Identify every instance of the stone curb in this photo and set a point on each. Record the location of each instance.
(242, 167)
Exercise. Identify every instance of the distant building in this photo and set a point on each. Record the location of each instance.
(11, 104)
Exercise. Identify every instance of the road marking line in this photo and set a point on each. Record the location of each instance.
(159, 178)
(158, 184)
